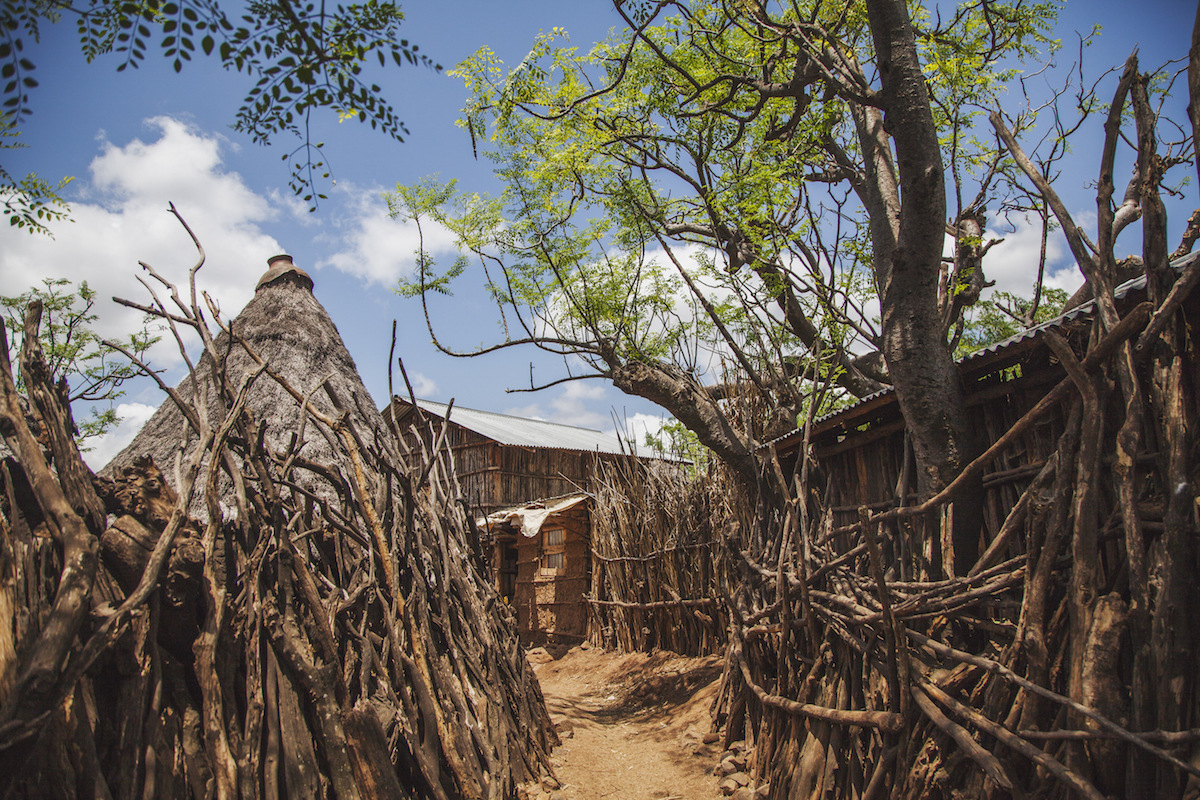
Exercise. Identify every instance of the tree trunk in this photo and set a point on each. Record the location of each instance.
(688, 401)
(908, 266)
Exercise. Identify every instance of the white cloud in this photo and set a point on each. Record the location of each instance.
(104, 447)
(297, 208)
(122, 219)
(635, 428)
(570, 407)
(423, 386)
(1013, 264)
(378, 249)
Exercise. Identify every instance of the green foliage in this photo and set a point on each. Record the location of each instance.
(969, 60)
(30, 202)
(1004, 315)
(427, 199)
(677, 442)
(709, 185)
(670, 137)
(586, 202)
(303, 57)
(94, 372)
(560, 284)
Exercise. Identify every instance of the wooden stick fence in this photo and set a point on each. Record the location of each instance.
(1060, 664)
(657, 567)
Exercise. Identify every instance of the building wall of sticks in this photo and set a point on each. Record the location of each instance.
(494, 476)
(1070, 640)
(863, 458)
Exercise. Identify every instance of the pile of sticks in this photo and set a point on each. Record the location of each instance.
(1061, 664)
(332, 637)
(657, 569)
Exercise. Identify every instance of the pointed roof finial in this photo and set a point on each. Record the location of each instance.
(279, 266)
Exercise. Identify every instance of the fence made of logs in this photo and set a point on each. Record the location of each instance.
(1060, 660)
(324, 631)
(657, 569)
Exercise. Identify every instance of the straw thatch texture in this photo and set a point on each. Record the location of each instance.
(286, 325)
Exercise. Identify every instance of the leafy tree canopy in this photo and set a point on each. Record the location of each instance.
(301, 56)
(745, 156)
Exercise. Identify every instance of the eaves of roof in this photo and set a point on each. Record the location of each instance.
(979, 362)
(519, 432)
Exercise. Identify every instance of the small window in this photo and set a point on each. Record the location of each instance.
(554, 545)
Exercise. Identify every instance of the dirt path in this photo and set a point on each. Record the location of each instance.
(632, 726)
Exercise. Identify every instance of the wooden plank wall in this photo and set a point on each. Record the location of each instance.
(495, 476)
(865, 468)
(868, 474)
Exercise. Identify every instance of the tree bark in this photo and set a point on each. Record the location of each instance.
(690, 403)
(31, 702)
(908, 268)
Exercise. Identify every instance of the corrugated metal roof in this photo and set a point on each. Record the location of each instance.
(521, 432)
(1080, 311)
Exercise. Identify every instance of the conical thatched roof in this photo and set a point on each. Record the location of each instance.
(285, 325)
(340, 594)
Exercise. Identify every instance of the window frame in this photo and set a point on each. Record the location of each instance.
(547, 550)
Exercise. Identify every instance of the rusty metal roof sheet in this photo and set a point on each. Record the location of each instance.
(521, 432)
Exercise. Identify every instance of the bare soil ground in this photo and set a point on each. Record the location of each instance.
(632, 725)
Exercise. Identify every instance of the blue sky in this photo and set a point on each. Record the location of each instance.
(134, 141)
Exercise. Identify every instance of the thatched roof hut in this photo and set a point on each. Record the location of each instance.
(333, 618)
(285, 325)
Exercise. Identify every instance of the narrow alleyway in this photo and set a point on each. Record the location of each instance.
(632, 726)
